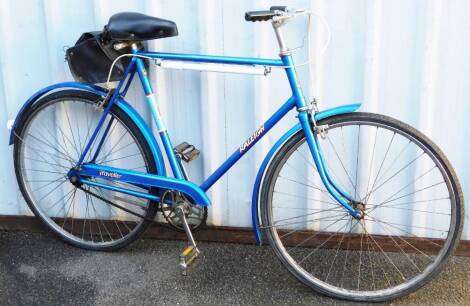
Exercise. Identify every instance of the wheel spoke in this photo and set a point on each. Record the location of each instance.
(357, 159)
(304, 184)
(383, 252)
(66, 214)
(112, 149)
(119, 158)
(408, 194)
(52, 144)
(323, 243)
(59, 200)
(336, 220)
(48, 184)
(405, 225)
(307, 198)
(340, 160)
(71, 130)
(372, 161)
(48, 163)
(381, 166)
(51, 191)
(336, 253)
(360, 262)
(401, 249)
(394, 175)
(38, 152)
(303, 216)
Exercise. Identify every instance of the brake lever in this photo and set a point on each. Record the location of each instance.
(284, 16)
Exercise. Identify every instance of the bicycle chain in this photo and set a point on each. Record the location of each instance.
(116, 205)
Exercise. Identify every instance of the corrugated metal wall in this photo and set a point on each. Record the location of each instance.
(407, 59)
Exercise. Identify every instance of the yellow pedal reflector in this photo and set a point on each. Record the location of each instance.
(187, 258)
(187, 250)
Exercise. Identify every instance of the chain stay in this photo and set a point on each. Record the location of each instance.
(116, 205)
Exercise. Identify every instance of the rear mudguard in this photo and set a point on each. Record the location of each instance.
(255, 205)
(128, 109)
(186, 187)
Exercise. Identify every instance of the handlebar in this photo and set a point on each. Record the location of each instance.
(278, 15)
(275, 14)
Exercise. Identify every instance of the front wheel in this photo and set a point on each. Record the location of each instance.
(410, 197)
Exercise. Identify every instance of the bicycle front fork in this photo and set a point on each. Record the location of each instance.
(341, 196)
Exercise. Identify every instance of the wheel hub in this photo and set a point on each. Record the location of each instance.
(74, 178)
(360, 207)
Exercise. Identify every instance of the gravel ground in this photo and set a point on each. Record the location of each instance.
(37, 269)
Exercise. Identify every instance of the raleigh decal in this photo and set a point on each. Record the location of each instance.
(110, 174)
(252, 139)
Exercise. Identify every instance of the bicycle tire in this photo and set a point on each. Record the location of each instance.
(322, 286)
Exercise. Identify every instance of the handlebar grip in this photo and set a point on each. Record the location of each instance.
(259, 16)
(279, 8)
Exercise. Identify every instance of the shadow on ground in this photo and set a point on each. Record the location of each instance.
(37, 269)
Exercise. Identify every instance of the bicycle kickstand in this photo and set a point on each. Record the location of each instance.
(191, 252)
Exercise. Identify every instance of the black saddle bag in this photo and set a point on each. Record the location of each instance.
(92, 56)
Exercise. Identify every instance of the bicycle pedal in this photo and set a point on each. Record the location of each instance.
(188, 258)
(187, 152)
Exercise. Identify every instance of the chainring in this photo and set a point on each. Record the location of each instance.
(196, 216)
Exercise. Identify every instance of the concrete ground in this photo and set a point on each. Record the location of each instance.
(38, 269)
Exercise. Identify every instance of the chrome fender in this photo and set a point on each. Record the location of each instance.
(255, 205)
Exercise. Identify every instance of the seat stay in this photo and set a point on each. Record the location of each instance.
(112, 95)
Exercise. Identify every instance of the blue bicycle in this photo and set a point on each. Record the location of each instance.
(355, 205)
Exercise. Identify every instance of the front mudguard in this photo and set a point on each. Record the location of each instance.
(255, 205)
(126, 107)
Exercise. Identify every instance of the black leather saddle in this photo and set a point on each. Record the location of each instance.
(128, 26)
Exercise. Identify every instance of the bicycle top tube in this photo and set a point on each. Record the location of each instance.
(217, 59)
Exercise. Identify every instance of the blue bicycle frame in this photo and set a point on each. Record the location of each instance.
(88, 169)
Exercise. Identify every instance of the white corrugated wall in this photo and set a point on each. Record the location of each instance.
(407, 59)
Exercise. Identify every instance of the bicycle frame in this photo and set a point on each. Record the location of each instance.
(87, 169)
(197, 193)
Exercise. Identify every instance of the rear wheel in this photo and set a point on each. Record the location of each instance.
(49, 140)
(409, 194)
